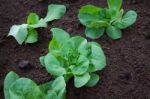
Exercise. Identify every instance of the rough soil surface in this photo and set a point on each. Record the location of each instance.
(127, 75)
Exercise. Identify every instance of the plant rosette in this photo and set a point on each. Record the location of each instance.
(74, 57)
(24, 88)
(26, 33)
(112, 19)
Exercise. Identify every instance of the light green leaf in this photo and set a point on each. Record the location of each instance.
(59, 38)
(58, 84)
(76, 43)
(55, 12)
(51, 95)
(54, 46)
(24, 88)
(55, 89)
(33, 18)
(59, 87)
(114, 32)
(42, 61)
(62, 94)
(94, 33)
(46, 87)
(98, 24)
(32, 36)
(82, 48)
(93, 80)
(128, 19)
(116, 15)
(81, 80)
(10, 78)
(41, 23)
(53, 66)
(114, 4)
(97, 57)
(105, 14)
(87, 19)
(19, 32)
(88, 14)
(81, 66)
(90, 9)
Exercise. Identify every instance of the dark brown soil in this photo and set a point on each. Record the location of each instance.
(127, 75)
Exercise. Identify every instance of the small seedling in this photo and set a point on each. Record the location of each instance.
(26, 33)
(74, 57)
(112, 19)
(24, 88)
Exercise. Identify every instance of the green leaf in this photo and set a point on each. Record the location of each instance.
(24, 88)
(114, 4)
(59, 38)
(10, 78)
(32, 36)
(42, 61)
(81, 67)
(128, 19)
(86, 19)
(62, 94)
(55, 12)
(105, 14)
(90, 9)
(58, 89)
(54, 45)
(98, 24)
(53, 66)
(114, 32)
(116, 16)
(88, 14)
(94, 33)
(33, 18)
(51, 95)
(19, 32)
(97, 57)
(81, 80)
(58, 84)
(82, 47)
(76, 43)
(41, 23)
(46, 87)
(93, 80)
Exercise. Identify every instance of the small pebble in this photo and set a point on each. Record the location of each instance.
(24, 64)
(69, 29)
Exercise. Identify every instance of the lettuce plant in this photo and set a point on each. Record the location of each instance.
(112, 19)
(24, 88)
(74, 57)
(26, 33)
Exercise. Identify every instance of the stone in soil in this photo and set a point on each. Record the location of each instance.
(24, 64)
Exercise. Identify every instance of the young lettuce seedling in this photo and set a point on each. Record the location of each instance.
(24, 88)
(74, 57)
(112, 19)
(26, 33)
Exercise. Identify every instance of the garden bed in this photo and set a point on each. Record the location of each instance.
(127, 74)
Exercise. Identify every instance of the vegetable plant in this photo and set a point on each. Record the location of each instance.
(26, 33)
(74, 57)
(24, 88)
(112, 19)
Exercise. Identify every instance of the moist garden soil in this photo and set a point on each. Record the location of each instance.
(127, 74)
